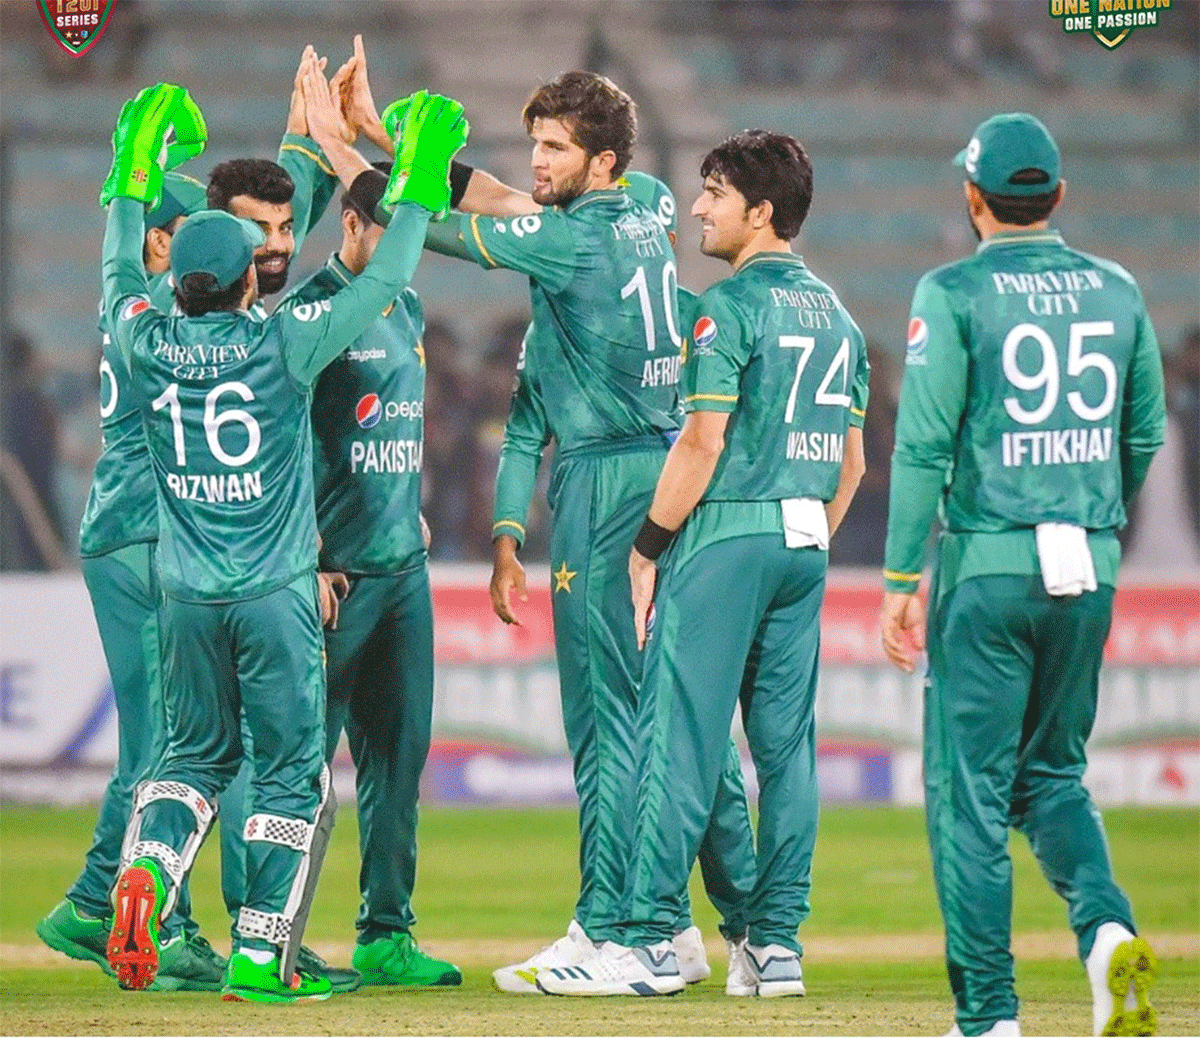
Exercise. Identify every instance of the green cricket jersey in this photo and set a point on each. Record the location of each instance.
(1033, 392)
(121, 507)
(225, 403)
(368, 431)
(601, 358)
(314, 180)
(773, 346)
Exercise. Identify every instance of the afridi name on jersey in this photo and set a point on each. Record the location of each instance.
(773, 346)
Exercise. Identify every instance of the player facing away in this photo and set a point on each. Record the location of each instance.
(1031, 407)
(116, 545)
(368, 420)
(225, 403)
(598, 376)
(769, 458)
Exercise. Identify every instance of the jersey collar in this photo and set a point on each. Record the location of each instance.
(607, 194)
(1049, 235)
(339, 269)
(789, 259)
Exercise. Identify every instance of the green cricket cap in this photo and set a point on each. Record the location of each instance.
(181, 196)
(1012, 154)
(214, 242)
(654, 195)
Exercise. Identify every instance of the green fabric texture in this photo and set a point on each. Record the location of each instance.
(1009, 704)
(1009, 416)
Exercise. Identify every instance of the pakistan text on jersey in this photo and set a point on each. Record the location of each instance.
(1048, 292)
(203, 361)
(815, 446)
(661, 371)
(1056, 447)
(216, 489)
(391, 456)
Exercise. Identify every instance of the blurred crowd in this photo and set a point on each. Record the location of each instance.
(467, 394)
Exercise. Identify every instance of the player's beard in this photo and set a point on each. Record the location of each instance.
(270, 283)
(566, 194)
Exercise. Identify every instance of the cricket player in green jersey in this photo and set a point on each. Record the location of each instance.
(116, 545)
(238, 540)
(368, 421)
(1031, 408)
(598, 376)
(775, 388)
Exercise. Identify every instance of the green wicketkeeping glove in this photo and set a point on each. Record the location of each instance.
(433, 131)
(139, 151)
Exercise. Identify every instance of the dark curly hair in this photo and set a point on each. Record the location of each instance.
(602, 117)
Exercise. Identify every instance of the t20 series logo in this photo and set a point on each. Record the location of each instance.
(76, 25)
(1110, 21)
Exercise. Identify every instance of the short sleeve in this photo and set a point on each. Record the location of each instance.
(541, 245)
(718, 349)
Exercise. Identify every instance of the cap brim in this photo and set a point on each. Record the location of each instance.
(254, 233)
(960, 159)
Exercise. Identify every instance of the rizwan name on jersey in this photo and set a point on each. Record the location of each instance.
(1056, 447)
(816, 446)
(218, 488)
(391, 456)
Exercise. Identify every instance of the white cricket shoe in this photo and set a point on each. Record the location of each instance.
(1000, 1029)
(1121, 968)
(740, 979)
(519, 979)
(693, 959)
(617, 970)
(776, 970)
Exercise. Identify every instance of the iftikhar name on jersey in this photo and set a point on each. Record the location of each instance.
(1056, 446)
(1048, 292)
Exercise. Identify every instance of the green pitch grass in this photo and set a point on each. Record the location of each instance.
(496, 885)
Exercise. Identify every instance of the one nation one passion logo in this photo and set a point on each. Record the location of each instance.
(1110, 21)
(76, 25)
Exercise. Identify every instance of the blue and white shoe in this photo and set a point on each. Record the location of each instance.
(617, 970)
(776, 970)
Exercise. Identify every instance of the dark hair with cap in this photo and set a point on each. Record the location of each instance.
(261, 179)
(770, 167)
(601, 116)
(198, 293)
(1021, 210)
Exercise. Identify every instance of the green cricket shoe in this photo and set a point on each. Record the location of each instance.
(341, 980)
(247, 981)
(133, 944)
(76, 936)
(397, 960)
(189, 965)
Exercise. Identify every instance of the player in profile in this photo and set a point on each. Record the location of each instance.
(769, 458)
(225, 403)
(1031, 408)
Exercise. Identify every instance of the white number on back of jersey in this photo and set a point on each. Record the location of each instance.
(1047, 376)
(169, 399)
(841, 362)
(638, 284)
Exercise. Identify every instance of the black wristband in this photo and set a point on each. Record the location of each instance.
(367, 191)
(460, 177)
(652, 539)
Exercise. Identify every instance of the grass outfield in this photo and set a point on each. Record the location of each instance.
(496, 885)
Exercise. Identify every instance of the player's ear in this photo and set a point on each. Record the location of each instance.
(1059, 194)
(602, 164)
(158, 243)
(760, 215)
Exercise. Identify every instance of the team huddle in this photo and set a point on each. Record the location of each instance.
(257, 559)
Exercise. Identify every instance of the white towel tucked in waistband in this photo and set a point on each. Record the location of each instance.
(805, 523)
(1065, 558)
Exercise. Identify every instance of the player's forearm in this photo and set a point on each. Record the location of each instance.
(314, 178)
(345, 160)
(912, 506)
(516, 477)
(684, 479)
(446, 238)
(122, 271)
(854, 467)
(491, 197)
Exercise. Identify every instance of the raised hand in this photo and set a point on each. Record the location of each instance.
(433, 131)
(140, 149)
(325, 123)
(297, 120)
